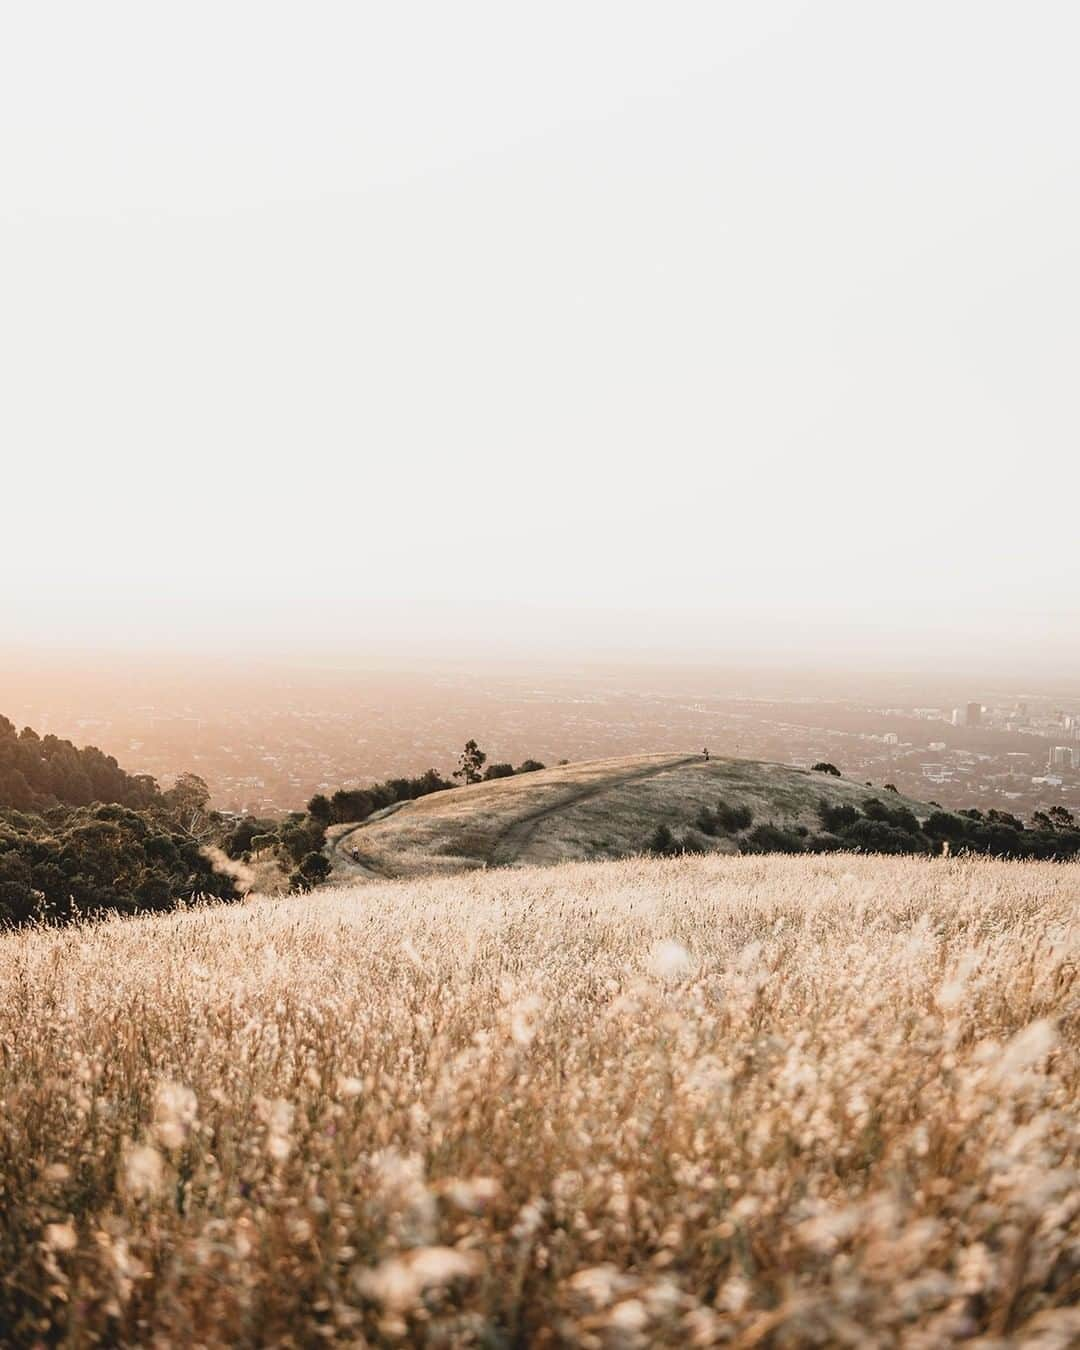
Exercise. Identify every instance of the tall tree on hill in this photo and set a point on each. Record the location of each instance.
(188, 801)
(470, 764)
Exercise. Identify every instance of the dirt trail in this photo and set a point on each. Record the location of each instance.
(513, 840)
(351, 863)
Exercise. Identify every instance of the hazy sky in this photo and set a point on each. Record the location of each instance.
(732, 327)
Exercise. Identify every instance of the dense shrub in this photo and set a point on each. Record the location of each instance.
(313, 869)
(768, 838)
(662, 842)
(836, 816)
(879, 836)
(900, 816)
(734, 818)
(351, 805)
(68, 861)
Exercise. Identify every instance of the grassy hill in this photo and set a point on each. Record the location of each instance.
(719, 1101)
(601, 809)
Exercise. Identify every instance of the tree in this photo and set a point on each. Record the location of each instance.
(15, 790)
(879, 836)
(297, 842)
(470, 764)
(1062, 817)
(498, 771)
(837, 816)
(823, 766)
(529, 766)
(733, 817)
(347, 806)
(662, 842)
(769, 838)
(314, 868)
(260, 842)
(319, 808)
(188, 801)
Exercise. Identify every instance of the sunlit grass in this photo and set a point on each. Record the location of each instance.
(730, 1101)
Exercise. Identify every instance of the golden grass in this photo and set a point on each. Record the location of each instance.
(710, 1101)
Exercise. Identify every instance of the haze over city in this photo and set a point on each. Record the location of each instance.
(735, 333)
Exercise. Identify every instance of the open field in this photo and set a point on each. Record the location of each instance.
(605, 808)
(736, 1101)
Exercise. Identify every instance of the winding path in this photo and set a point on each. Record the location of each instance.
(515, 838)
(351, 863)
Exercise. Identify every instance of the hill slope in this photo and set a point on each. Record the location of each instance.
(602, 809)
(719, 1101)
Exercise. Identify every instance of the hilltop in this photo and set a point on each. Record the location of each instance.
(603, 809)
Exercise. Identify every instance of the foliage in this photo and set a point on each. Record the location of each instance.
(882, 836)
(37, 772)
(314, 868)
(471, 762)
(836, 816)
(352, 805)
(769, 838)
(662, 842)
(823, 766)
(319, 808)
(72, 861)
(734, 818)
(725, 819)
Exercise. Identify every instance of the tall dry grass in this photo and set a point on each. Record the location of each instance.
(743, 1101)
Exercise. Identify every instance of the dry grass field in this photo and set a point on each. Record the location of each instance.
(733, 1101)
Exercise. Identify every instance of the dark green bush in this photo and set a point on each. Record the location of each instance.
(733, 818)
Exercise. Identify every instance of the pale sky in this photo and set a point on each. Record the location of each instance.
(724, 327)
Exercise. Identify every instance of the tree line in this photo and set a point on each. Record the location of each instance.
(355, 805)
(80, 836)
(878, 827)
(43, 771)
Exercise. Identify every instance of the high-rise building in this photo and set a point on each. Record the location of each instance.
(974, 714)
(1062, 757)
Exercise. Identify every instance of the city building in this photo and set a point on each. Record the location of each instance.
(974, 714)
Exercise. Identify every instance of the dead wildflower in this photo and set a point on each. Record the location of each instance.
(399, 1283)
(175, 1111)
(143, 1171)
(278, 1116)
(61, 1237)
(669, 961)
